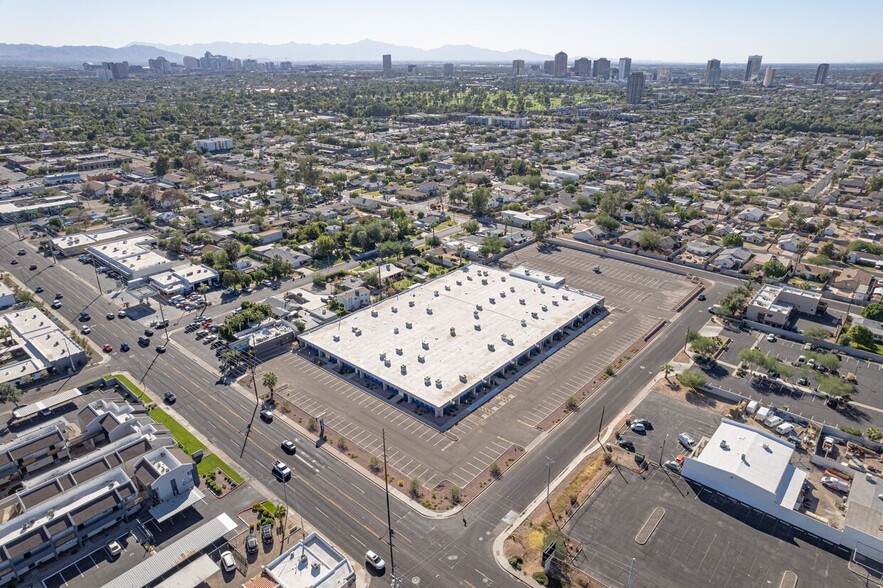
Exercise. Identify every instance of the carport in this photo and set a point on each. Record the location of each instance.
(169, 508)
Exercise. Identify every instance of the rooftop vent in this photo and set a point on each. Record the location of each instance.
(409, 325)
(395, 331)
(564, 296)
(546, 278)
(490, 347)
(463, 378)
(523, 323)
(336, 338)
(425, 344)
(453, 332)
(724, 444)
(438, 383)
(435, 293)
(428, 310)
(469, 278)
(502, 278)
(421, 359)
(427, 381)
(404, 369)
(394, 309)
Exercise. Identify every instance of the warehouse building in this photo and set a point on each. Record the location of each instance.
(441, 343)
(756, 468)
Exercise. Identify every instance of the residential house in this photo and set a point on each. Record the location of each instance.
(755, 237)
(876, 327)
(732, 258)
(631, 239)
(809, 271)
(354, 299)
(857, 283)
(701, 248)
(753, 214)
(588, 233)
(790, 242)
(286, 254)
(443, 255)
(699, 225)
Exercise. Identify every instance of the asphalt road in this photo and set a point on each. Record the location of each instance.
(335, 499)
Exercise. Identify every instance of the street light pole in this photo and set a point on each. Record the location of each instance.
(392, 565)
(549, 462)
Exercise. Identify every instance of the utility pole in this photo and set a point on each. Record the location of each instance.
(549, 462)
(600, 428)
(392, 565)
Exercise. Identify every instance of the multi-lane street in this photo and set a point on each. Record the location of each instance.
(333, 497)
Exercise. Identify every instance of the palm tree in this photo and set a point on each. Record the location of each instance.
(9, 392)
(667, 368)
(269, 381)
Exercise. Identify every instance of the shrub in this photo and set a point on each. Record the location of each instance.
(541, 578)
(455, 494)
(495, 469)
(874, 434)
(374, 464)
(851, 431)
(414, 486)
(311, 424)
(571, 403)
(341, 443)
(515, 561)
(608, 370)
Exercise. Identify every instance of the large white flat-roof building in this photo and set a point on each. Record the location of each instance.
(311, 563)
(76, 244)
(131, 258)
(773, 305)
(37, 344)
(183, 278)
(445, 340)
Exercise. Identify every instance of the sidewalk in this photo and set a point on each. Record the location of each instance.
(500, 539)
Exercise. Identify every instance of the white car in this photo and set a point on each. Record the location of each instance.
(638, 428)
(375, 561)
(56, 304)
(114, 548)
(227, 561)
(687, 441)
(85, 329)
(771, 338)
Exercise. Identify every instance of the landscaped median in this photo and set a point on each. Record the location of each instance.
(210, 463)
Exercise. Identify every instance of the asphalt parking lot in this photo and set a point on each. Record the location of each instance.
(669, 418)
(464, 451)
(700, 541)
(865, 410)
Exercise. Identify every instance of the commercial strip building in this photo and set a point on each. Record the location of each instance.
(311, 563)
(773, 305)
(183, 279)
(36, 347)
(78, 243)
(22, 209)
(444, 341)
(125, 464)
(757, 468)
(132, 258)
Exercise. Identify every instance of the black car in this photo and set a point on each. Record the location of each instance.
(160, 348)
(702, 298)
(14, 261)
(38, 289)
(148, 332)
(143, 341)
(33, 267)
(59, 295)
(170, 397)
(84, 316)
(626, 444)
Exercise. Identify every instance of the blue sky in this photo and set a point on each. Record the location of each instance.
(676, 30)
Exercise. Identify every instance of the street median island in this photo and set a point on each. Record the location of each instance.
(650, 525)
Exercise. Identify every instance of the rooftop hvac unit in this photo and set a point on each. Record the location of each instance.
(490, 347)
(387, 363)
(554, 303)
(544, 308)
(404, 369)
(502, 278)
(395, 331)
(336, 338)
(522, 302)
(394, 309)
(374, 313)
(523, 323)
(478, 307)
(459, 283)
(421, 359)
(409, 325)
(477, 327)
(399, 351)
(382, 355)
(453, 332)
(463, 378)
(564, 296)
(425, 344)
(358, 332)
(483, 282)
(438, 383)
(492, 300)
(447, 288)
(427, 381)
(428, 310)
(503, 294)
(475, 314)
(435, 293)
(411, 303)
(512, 289)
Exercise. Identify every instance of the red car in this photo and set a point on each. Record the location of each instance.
(107, 348)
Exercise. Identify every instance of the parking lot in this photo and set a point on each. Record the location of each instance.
(703, 540)
(865, 409)
(462, 452)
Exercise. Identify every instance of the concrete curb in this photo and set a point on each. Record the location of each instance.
(500, 539)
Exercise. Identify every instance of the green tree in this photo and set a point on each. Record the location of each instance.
(834, 386)
(161, 165)
(471, 226)
(649, 240)
(873, 311)
(862, 336)
(540, 229)
(491, 246)
(325, 246)
(704, 345)
(269, 382)
(9, 392)
(692, 378)
(606, 222)
(816, 333)
(479, 200)
(774, 268)
(732, 240)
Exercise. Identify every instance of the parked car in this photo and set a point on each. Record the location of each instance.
(143, 341)
(647, 424)
(251, 543)
(687, 441)
(110, 316)
(803, 382)
(771, 338)
(148, 332)
(161, 348)
(267, 533)
(672, 465)
(85, 316)
(227, 561)
(638, 428)
(21, 252)
(14, 261)
(33, 267)
(702, 298)
(114, 548)
(626, 444)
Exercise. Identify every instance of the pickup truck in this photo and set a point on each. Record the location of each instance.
(267, 533)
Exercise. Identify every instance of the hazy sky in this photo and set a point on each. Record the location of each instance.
(676, 30)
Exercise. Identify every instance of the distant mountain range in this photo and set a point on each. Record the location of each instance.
(365, 50)
(78, 54)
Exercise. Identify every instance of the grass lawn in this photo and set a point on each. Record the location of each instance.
(187, 440)
(445, 225)
(212, 462)
(270, 507)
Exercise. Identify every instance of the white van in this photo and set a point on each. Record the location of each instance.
(784, 428)
(774, 421)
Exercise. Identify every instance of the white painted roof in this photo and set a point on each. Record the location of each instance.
(414, 329)
(756, 456)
